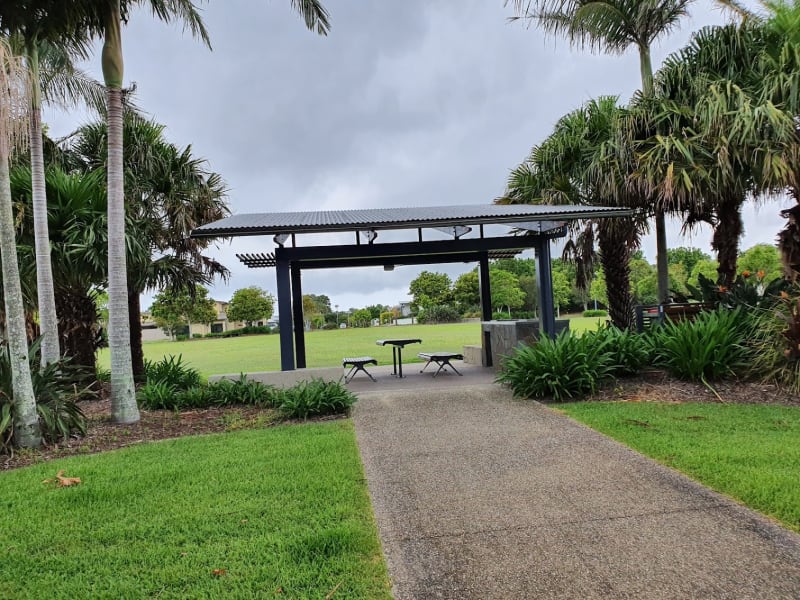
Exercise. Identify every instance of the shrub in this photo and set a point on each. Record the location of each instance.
(776, 342)
(565, 367)
(159, 395)
(501, 316)
(56, 397)
(596, 312)
(710, 347)
(228, 392)
(197, 336)
(172, 371)
(315, 398)
(629, 351)
(439, 314)
(181, 337)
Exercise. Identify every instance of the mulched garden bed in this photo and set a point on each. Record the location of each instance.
(103, 435)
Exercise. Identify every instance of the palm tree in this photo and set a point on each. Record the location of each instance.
(104, 18)
(707, 140)
(14, 97)
(48, 38)
(168, 194)
(78, 222)
(579, 164)
(614, 26)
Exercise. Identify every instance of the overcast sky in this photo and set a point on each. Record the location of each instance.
(414, 103)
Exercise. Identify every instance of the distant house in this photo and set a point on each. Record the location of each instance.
(152, 332)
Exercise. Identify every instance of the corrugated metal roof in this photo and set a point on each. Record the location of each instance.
(397, 218)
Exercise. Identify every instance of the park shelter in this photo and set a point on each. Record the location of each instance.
(444, 234)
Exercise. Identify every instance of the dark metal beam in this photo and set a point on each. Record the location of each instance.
(486, 304)
(285, 314)
(544, 275)
(394, 252)
(297, 316)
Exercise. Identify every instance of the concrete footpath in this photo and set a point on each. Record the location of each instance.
(480, 496)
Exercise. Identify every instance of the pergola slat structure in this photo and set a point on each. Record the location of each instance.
(533, 226)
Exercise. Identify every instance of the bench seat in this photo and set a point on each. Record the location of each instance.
(442, 359)
(357, 364)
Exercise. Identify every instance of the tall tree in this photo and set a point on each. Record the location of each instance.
(578, 164)
(105, 17)
(46, 32)
(168, 193)
(14, 99)
(613, 27)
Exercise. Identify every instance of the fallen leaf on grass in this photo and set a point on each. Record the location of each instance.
(219, 572)
(636, 422)
(63, 481)
(333, 591)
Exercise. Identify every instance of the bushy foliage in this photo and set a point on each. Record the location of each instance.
(567, 366)
(229, 392)
(56, 392)
(710, 347)
(315, 398)
(595, 312)
(439, 314)
(748, 290)
(629, 351)
(172, 371)
(776, 342)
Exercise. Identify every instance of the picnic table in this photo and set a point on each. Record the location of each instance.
(397, 352)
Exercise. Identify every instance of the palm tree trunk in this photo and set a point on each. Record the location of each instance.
(725, 240)
(44, 271)
(79, 328)
(135, 320)
(26, 419)
(615, 256)
(123, 393)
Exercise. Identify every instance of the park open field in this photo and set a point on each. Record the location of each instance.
(217, 356)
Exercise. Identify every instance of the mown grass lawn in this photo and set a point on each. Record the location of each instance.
(748, 452)
(280, 512)
(217, 356)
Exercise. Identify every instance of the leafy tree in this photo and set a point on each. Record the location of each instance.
(562, 290)
(505, 290)
(321, 302)
(518, 266)
(249, 305)
(466, 290)
(431, 289)
(375, 310)
(762, 257)
(173, 311)
(360, 318)
(530, 287)
(707, 268)
(13, 102)
(688, 257)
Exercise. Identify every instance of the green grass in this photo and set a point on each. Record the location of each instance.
(216, 356)
(748, 452)
(284, 512)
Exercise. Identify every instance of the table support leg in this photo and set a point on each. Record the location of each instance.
(400, 361)
(394, 361)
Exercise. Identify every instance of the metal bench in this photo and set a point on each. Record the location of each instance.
(442, 359)
(356, 365)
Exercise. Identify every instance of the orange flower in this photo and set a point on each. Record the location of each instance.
(723, 289)
(784, 295)
(746, 274)
(761, 274)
